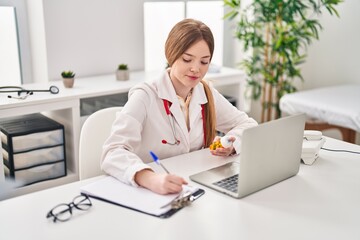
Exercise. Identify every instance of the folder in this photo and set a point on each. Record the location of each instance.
(140, 199)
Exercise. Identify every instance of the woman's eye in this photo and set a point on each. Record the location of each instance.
(204, 63)
(186, 60)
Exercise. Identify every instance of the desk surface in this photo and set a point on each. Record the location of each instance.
(321, 202)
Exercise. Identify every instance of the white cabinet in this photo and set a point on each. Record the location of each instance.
(71, 106)
(65, 112)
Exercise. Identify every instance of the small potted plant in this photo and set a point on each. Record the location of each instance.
(122, 72)
(68, 78)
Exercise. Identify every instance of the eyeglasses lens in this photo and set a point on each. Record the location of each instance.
(82, 202)
(62, 212)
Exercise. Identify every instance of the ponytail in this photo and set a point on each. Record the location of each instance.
(210, 116)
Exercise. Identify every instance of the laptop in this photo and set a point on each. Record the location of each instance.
(270, 153)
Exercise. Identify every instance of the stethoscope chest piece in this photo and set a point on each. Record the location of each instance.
(176, 142)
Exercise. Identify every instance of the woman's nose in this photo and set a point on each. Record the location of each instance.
(194, 69)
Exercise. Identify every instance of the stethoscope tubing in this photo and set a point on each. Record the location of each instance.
(16, 89)
(13, 89)
(172, 123)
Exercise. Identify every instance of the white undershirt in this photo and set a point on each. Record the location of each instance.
(184, 105)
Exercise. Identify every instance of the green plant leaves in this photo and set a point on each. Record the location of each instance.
(68, 74)
(276, 32)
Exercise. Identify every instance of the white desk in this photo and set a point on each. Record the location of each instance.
(321, 202)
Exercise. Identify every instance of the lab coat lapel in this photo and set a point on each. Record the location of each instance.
(165, 88)
(166, 91)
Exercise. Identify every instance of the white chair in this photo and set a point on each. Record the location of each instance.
(94, 132)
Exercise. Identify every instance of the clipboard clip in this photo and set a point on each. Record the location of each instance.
(185, 199)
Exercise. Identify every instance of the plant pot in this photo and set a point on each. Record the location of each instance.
(68, 82)
(122, 75)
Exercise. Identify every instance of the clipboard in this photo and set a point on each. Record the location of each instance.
(113, 191)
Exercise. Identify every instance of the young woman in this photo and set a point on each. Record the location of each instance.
(174, 114)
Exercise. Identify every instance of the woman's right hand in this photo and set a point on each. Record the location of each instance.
(159, 183)
(222, 151)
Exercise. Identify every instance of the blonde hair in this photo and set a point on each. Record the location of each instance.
(210, 116)
(181, 37)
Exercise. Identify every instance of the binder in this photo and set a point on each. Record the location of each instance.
(139, 199)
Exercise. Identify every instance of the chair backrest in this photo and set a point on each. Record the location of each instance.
(95, 130)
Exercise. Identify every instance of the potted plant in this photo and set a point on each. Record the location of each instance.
(68, 78)
(122, 72)
(276, 33)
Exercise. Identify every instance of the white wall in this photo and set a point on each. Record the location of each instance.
(37, 41)
(334, 59)
(23, 37)
(9, 58)
(90, 37)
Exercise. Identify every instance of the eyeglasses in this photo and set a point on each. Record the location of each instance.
(63, 212)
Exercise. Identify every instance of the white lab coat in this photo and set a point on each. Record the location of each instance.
(143, 123)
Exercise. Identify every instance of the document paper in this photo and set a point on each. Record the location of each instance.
(138, 198)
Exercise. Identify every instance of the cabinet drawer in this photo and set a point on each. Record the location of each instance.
(34, 140)
(35, 157)
(39, 173)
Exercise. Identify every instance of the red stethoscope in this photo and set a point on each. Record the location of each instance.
(176, 141)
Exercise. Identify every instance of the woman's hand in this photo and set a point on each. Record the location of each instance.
(159, 183)
(221, 151)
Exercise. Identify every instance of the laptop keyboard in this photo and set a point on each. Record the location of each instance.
(230, 183)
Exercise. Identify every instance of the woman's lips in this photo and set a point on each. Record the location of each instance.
(193, 77)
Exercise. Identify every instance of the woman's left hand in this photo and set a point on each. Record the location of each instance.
(221, 151)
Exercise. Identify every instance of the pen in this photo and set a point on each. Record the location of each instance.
(156, 160)
(186, 196)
